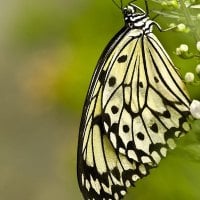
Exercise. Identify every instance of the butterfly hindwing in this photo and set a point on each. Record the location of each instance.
(144, 110)
(100, 169)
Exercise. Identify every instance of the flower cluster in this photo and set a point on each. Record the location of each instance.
(186, 19)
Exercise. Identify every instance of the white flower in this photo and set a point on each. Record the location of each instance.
(181, 27)
(198, 69)
(198, 45)
(195, 109)
(189, 77)
(184, 47)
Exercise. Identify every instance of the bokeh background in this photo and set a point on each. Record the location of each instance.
(48, 51)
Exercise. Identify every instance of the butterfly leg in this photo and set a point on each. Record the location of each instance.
(163, 30)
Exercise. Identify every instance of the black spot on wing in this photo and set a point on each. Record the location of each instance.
(114, 109)
(154, 128)
(126, 128)
(122, 59)
(167, 114)
(102, 76)
(156, 79)
(141, 84)
(112, 81)
(140, 136)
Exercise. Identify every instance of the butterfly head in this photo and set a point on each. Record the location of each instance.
(133, 14)
(129, 10)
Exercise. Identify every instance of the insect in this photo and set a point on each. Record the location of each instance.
(136, 106)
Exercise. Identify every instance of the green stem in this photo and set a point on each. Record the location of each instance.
(189, 20)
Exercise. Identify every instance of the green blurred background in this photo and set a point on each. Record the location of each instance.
(48, 51)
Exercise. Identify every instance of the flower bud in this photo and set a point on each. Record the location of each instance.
(181, 27)
(184, 48)
(195, 109)
(198, 69)
(183, 51)
(189, 77)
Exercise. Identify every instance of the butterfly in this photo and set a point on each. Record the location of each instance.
(136, 105)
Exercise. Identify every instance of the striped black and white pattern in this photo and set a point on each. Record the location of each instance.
(135, 107)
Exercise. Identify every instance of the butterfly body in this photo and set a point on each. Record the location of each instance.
(136, 105)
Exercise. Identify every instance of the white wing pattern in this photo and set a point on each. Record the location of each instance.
(136, 105)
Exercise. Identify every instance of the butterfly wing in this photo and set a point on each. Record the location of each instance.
(136, 104)
(96, 156)
(150, 100)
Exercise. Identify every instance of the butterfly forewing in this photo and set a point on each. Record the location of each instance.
(135, 107)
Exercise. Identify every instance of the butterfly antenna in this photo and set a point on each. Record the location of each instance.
(147, 7)
(122, 6)
(117, 5)
(157, 15)
(132, 1)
